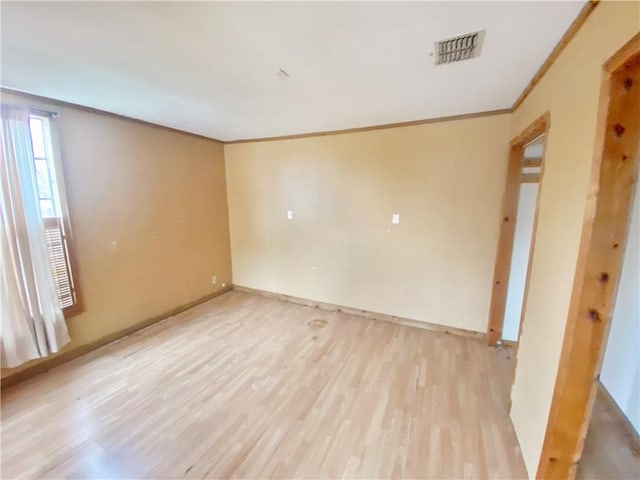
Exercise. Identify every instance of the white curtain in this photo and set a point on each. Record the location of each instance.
(32, 321)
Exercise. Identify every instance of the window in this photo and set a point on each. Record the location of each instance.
(52, 211)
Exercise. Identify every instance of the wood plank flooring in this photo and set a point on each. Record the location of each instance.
(250, 387)
(609, 451)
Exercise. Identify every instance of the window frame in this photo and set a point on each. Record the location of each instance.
(58, 196)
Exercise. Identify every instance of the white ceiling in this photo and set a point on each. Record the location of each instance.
(210, 68)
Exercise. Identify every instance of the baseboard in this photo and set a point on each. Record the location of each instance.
(633, 434)
(365, 313)
(47, 364)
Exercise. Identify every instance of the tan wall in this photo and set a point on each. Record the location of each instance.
(444, 179)
(570, 91)
(148, 211)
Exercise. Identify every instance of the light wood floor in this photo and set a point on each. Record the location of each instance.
(609, 450)
(246, 386)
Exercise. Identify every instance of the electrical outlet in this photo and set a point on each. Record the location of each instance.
(395, 218)
(214, 280)
(289, 214)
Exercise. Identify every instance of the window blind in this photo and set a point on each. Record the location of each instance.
(58, 251)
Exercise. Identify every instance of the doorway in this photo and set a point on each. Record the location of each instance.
(517, 231)
(598, 273)
(612, 445)
(523, 235)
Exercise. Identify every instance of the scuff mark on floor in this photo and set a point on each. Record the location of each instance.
(317, 323)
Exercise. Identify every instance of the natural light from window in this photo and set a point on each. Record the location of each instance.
(44, 169)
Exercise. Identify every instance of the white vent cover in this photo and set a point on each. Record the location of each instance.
(457, 49)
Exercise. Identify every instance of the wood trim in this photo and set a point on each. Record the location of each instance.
(537, 128)
(461, 332)
(604, 234)
(623, 57)
(633, 435)
(62, 103)
(66, 356)
(532, 162)
(575, 26)
(530, 178)
(502, 265)
(504, 250)
(567, 37)
(509, 343)
(75, 106)
(450, 118)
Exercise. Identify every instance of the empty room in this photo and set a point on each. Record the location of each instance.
(320, 240)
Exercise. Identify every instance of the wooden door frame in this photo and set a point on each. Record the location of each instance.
(502, 268)
(604, 234)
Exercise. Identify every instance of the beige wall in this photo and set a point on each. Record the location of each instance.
(570, 91)
(161, 197)
(444, 179)
(148, 211)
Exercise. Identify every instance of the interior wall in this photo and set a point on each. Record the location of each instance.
(621, 366)
(519, 260)
(445, 180)
(570, 91)
(148, 212)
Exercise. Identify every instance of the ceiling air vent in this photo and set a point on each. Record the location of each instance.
(457, 49)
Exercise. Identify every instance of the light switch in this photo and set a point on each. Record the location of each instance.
(395, 218)
(289, 214)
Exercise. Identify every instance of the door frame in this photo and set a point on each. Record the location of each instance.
(502, 267)
(614, 173)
